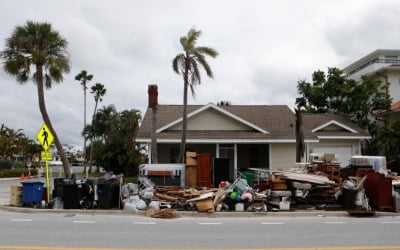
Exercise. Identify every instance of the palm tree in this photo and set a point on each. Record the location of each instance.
(99, 91)
(84, 78)
(187, 65)
(38, 45)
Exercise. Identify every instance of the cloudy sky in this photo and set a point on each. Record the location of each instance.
(265, 48)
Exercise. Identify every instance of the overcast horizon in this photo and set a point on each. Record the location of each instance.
(265, 48)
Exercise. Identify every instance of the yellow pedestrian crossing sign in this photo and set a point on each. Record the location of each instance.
(45, 137)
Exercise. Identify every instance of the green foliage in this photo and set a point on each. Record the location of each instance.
(390, 141)
(16, 172)
(114, 133)
(19, 164)
(357, 101)
(15, 143)
(4, 164)
(36, 44)
(333, 93)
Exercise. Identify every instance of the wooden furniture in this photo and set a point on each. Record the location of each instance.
(204, 170)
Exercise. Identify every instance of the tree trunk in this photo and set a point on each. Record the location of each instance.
(154, 136)
(181, 158)
(91, 144)
(46, 119)
(84, 126)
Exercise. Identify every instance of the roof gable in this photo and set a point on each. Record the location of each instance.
(333, 126)
(236, 122)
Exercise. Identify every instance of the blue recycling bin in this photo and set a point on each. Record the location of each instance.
(32, 193)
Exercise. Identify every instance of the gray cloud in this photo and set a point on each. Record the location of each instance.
(265, 47)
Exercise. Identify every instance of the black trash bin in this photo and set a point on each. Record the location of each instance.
(349, 198)
(108, 195)
(71, 195)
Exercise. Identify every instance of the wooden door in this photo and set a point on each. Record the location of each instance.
(204, 170)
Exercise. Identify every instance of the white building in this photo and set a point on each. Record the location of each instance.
(383, 63)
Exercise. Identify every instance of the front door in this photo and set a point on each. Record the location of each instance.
(227, 151)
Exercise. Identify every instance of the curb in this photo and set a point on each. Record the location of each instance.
(298, 213)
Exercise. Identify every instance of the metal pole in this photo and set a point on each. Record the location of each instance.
(47, 181)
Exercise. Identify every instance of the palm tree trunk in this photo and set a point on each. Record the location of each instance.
(91, 143)
(46, 119)
(84, 126)
(181, 158)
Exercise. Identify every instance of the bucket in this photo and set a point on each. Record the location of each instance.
(349, 198)
(249, 177)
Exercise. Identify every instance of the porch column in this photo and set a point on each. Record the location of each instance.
(235, 160)
(217, 150)
(149, 153)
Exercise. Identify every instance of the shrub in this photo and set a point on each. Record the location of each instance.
(18, 164)
(16, 172)
(5, 164)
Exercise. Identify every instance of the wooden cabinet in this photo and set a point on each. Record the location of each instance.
(204, 170)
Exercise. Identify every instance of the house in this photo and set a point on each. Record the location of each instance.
(382, 63)
(257, 136)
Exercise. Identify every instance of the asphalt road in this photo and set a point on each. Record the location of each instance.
(125, 231)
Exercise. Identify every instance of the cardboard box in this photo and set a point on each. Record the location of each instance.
(191, 154)
(16, 200)
(205, 205)
(191, 161)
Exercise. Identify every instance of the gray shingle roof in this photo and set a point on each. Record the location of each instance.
(279, 120)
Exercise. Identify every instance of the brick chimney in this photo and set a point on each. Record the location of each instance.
(153, 96)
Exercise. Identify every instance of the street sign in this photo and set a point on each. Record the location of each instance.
(45, 137)
(46, 155)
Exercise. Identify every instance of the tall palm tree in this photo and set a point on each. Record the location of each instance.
(84, 78)
(36, 45)
(98, 91)
(187, 64)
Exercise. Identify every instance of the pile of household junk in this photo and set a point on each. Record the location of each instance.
(364, 186)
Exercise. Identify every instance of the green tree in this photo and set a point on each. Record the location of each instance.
(187, 64)
(115, 149)
(357, 101)
(98, 91)
(389, 140)
(84, 78)
(38, 45)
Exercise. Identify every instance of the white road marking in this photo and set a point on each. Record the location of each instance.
(390, 222)
(84, 221)
(335, 222)
(210, 223)
(272, 223)
(21, 220)
(144, 223)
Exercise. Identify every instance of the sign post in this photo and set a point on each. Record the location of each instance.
(46, 138)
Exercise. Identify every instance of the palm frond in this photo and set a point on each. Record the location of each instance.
(201, 59)
(207, 51)
(178, 62)
(192, 36)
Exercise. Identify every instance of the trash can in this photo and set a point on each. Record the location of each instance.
(349, 198)
(108, 195)
(71, 196)
(249, 178)
(32, 193)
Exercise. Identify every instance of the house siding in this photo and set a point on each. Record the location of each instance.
(354, 144)
(211, 119)
(283, 155)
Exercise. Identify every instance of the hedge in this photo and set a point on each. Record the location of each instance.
(4, 164)
(4, 173)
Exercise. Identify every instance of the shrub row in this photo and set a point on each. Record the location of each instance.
(16, 172)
